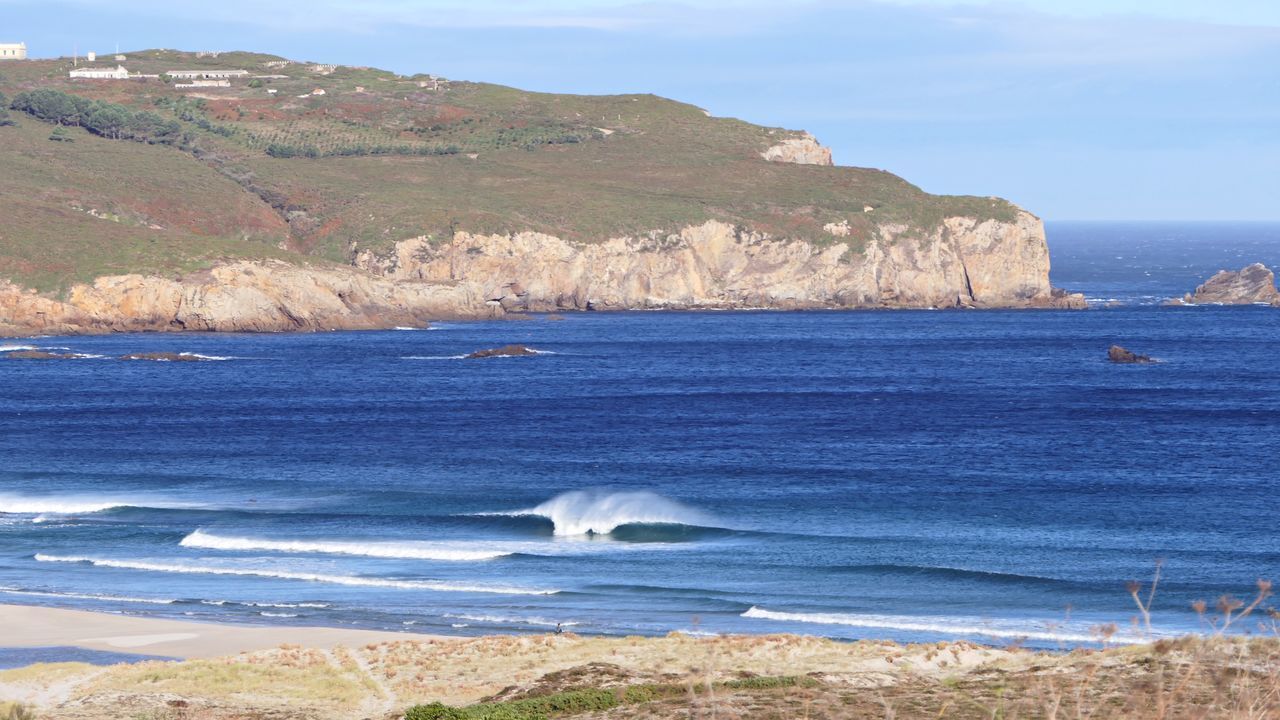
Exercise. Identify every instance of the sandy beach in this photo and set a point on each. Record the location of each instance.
(30, 626)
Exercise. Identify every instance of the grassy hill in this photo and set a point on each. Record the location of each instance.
(299, 159)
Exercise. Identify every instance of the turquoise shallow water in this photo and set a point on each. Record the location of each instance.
(911, 475)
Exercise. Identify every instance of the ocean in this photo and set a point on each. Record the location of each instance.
(910, 475)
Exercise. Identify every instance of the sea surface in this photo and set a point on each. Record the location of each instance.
(914, 475)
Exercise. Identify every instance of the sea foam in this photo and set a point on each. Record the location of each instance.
(78, 505)
(87, 596)
(960, 626)
(457, 552)
(586, 511)
(350, 580)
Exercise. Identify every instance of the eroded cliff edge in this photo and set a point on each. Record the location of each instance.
(962, 263)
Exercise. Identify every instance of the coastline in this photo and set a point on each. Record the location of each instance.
(328, 674)
(32, 626)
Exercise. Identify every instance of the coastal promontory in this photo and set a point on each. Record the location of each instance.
(292, 196)
(1251, 285)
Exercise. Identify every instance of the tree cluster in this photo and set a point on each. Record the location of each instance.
(98, 117)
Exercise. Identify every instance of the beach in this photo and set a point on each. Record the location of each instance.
(27, 626)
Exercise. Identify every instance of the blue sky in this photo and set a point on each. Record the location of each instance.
(1090, 109)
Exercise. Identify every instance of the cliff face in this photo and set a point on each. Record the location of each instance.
(963, 263)
(802, 150)
(269, 296)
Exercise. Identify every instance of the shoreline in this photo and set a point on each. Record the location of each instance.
(35, 626)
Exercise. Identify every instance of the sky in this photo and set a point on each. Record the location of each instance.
(1074, 109)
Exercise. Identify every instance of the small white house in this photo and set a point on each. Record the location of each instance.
(86, 73)
(13, 51)
(207, 74)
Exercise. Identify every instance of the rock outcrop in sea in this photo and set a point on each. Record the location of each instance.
(1117, 354)
(1252, 285)
(504, 351)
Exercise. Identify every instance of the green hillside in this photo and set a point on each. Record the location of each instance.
(295, 158)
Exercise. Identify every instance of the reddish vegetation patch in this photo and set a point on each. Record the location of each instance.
(328, 228)
(450, 113)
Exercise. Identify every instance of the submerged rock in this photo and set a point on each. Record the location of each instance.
(1118, 354)
(164, 357)
(504, 351)
(38, 355)
(1255, 284)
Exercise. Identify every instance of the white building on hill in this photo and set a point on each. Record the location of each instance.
(207, 74)
(116, 73)
(13, 51)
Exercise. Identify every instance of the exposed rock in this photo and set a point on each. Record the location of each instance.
(962, 263)
(164, 357)
(801, 150)
(269, 296)
(38, 355)
(1118, 354)
(1251, 285)
(840, 229)
(504, 351)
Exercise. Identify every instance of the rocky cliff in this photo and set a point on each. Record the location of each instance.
(1255, 284)
(963, 263)
(801, 150)
(266, 296)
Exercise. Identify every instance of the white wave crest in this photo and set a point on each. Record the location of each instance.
(585, 511)
(455, 552)
(22, 505)
(350, 580)
(434, 357)
(77, 505)
(264, 613)
(499, 619)
(87, 596)
(199, 356)
(220, 603)
(17, 348)
(961, 626)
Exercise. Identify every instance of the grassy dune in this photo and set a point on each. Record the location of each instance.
(531, 677)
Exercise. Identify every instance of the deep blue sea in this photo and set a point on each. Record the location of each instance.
(913, 475)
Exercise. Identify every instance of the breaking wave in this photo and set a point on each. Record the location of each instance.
(403, 550)
(349, 580)
(87, 596)
(959, 626)
(501, 620)
(313, 605)
(584, 512)
(78, 505)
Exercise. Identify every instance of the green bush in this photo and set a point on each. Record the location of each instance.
(434, 711)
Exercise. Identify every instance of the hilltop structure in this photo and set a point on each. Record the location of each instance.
(13, 51)
(207, 74)
(88, 73)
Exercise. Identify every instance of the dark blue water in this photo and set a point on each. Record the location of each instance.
(911, 475)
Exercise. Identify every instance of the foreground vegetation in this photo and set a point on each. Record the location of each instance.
(546, 677)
